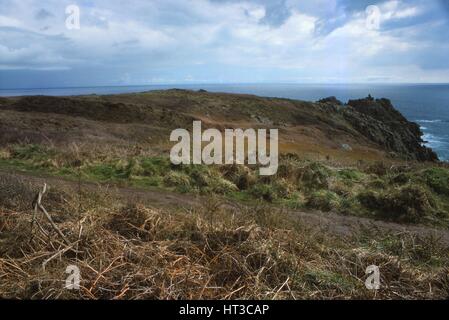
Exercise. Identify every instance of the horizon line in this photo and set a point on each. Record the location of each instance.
(226, 83)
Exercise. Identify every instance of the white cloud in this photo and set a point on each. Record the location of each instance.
(392, 10)
(200, 35)
(9, 22)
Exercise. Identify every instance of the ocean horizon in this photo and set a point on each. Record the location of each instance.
(425, 104)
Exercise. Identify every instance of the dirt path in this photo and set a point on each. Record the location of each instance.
(330, 222)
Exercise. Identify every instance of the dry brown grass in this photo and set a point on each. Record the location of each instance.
(131, 251)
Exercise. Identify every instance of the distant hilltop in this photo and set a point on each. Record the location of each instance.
(364, 129)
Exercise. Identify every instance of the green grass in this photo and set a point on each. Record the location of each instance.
(350, 176)
(416, 196)
(437, 179)
(323, 200)
(328, 280)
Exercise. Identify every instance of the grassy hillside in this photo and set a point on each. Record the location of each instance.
(219, 231)
(315, 130)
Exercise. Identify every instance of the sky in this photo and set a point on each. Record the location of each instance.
(144, 42)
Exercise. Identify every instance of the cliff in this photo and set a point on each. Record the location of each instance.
(380, 122)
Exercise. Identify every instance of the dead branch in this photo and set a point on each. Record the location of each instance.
(38, 205)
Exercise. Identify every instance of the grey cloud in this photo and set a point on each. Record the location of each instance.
(276, 13)
(43, 14)
(214, 40)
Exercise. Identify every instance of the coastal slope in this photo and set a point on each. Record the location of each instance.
(361, 130)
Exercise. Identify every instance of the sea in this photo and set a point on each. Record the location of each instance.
(425, 104)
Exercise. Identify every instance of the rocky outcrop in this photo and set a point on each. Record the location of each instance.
(331, 100)
(380, 122)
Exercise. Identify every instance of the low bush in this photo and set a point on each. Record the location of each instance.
(350, 175)
(315, 176)
(400, 179)
(31, 152)
(219, 185)
(283, 188)
(323, 200)
(239, 175)
(437, 179)
(378, 168)
(264, 191)
(177, 179)
(407, 204)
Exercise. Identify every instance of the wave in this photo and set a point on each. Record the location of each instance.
(430, 121)
(434, 141)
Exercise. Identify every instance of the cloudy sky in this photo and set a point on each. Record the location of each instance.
(222, 41)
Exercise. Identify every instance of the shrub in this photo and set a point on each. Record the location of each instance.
(36, 155)
(118, 168)
(408, 204)
(342, 188)
(287, 168)
(349, 174)
(283, 188)
(264, 191)
(377, 183)
(31, 152)
(177, 179)
(154, 166)
(370, 200)
(378, 168)
(239, 175)
(200, 176)
(437, 179)
(348, 205)
(246, 181)
(133, 169)
(400, 179)
(323, 200)
(315, 176)
(222, 186)
(149, 168)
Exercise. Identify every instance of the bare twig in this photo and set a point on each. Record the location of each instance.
(59, 253)
(38, 205)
